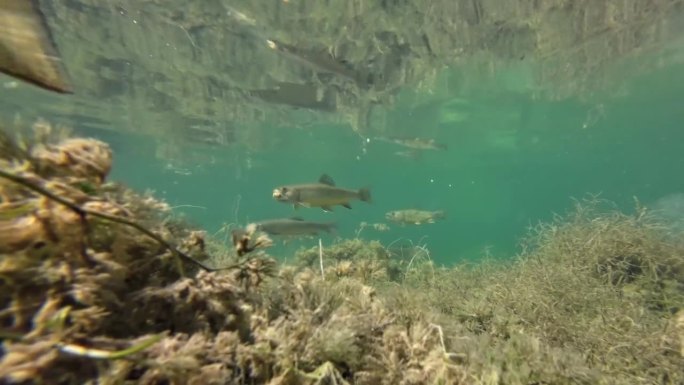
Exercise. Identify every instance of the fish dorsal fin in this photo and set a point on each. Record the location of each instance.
(326, 179)
(297, 218)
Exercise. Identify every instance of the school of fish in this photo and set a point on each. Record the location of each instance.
(28, 52)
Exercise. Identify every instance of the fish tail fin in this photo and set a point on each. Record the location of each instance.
(331, 228)
(365, 195)
(440, 214)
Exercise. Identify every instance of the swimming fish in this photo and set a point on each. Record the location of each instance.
(410, 154)
(323, 194)
(27, 50)
(415, 217)
(415, 143)
(293, 226)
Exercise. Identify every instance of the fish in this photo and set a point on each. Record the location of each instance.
(319, 61)
(414, 217)
(323, 194)
(27, 49)
(410, 154)
(323, 60)
(293, 226)
(415, 143)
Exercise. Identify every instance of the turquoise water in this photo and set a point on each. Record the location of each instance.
(515, 155)
(211, 105)
(510, 163)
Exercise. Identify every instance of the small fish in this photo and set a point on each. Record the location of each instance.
(410, 154)
(414, 217)
(319, 61)
(415, 143)
(323, 194)
(293, 227)
(27, 50)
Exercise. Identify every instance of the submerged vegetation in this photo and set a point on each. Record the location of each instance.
(595, 296)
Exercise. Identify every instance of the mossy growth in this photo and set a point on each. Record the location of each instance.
(595, 297)
(367, 261)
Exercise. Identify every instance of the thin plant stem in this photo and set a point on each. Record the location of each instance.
(112, 218)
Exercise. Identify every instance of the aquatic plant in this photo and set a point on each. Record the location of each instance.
(591, 299)
(368, 261)
(83, 261)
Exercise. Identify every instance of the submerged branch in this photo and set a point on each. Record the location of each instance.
(83, 351)
(112, 218)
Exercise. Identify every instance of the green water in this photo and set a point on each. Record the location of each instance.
(211, 105)
(511, 163)
(515, 156)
